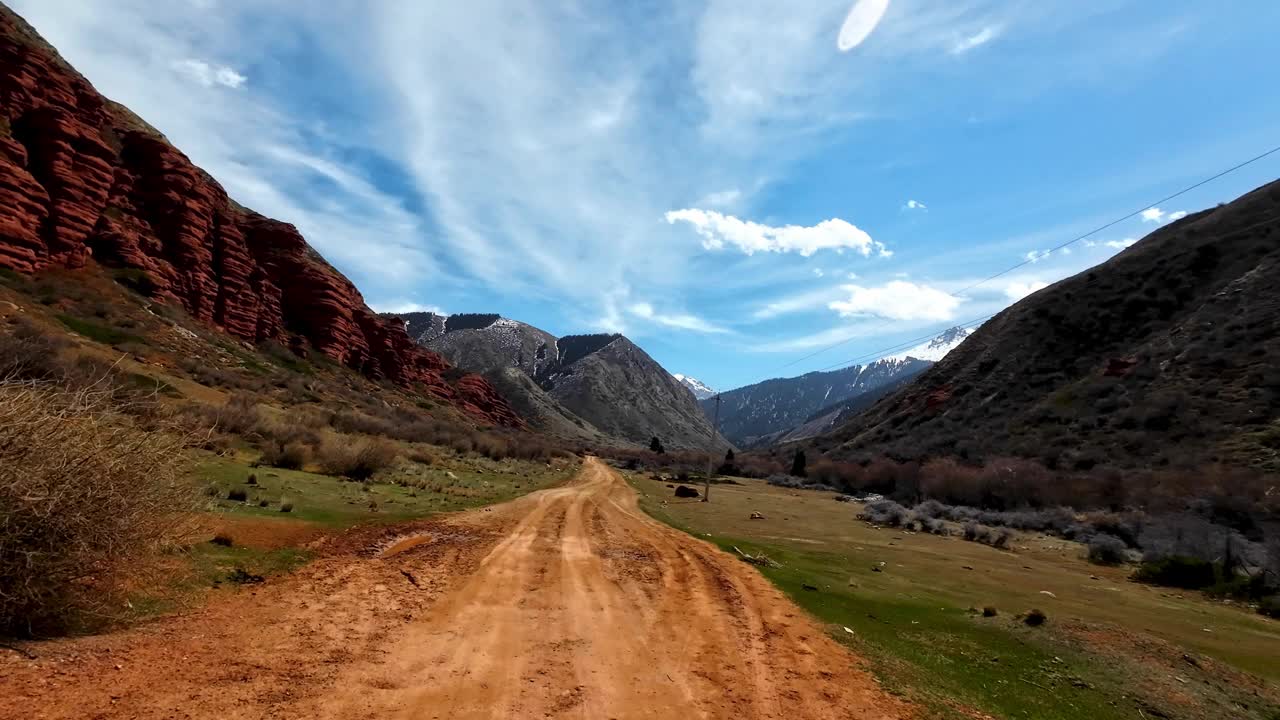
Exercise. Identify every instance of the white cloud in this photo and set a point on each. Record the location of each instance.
(982, 37)
(209, 75)
(1121, 244)
(915, 205)
(817, 272)
(1017, 290)
(898, 300)
(852, 276)
(861, 21)
(718, 230)
(1156, 215)
(1036, 256)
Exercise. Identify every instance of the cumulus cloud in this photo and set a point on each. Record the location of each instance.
(1120, 244)
(1178, 215)
(209, 75)
(915, 205)
(1017, 290)
(718, 230)
(897, 300)
(982, 37)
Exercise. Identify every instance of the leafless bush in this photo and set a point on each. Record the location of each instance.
(1106, 550)
(290, 456)
(358, 460)
(87, 498)
(998, 538)
(885, 512)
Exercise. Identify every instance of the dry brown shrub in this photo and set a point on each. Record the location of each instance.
(290, 456)
(87, 499)
(355, 459)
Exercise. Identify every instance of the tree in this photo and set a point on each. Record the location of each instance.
(797, 464)
(655, 445)
(727, 467)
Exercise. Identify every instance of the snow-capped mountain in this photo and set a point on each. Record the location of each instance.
(696, 386)
(937, 348)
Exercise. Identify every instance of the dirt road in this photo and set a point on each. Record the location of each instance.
(569, 602)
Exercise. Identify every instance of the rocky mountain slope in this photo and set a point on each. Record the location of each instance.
(84, 182)
(583, 385)
(1167, 354)
(833, 416)
(699, 389)
(627, 394)
(763, 413)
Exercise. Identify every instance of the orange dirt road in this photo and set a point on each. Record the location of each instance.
(569, 602)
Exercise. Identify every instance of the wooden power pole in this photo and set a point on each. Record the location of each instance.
(711, 454)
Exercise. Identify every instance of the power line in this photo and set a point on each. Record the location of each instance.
(1069, 243)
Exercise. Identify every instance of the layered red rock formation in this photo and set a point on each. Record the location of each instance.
(81, 177)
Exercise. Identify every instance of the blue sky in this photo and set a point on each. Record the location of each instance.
(717, 179)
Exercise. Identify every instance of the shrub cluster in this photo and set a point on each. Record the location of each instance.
(87, 498)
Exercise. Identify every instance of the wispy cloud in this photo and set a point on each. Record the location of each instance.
(914, 205)
(815, 299)
(679, 321)
(209, 75)
(978, 39)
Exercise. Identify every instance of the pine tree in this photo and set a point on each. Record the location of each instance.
(655, 445)
(797, 464)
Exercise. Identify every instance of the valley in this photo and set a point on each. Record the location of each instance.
(233, 487)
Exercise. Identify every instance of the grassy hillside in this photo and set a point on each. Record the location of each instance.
(1166, 355)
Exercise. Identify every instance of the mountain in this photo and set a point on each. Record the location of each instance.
(749, 415)
(938, 347)
(1168, 354)
(582, 386)
(696, 386)
(484, 342)
(834, 415)
(616, 386)
(85, 183)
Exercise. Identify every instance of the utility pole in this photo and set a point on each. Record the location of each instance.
(711, 454)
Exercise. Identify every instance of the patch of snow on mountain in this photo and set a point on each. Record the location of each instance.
(699, 389)
(935, 349)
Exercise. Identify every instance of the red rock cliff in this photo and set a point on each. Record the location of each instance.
(82, 177)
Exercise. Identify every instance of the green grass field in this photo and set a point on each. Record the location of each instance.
(266, 541)
(1110, 649)
(408, 491)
